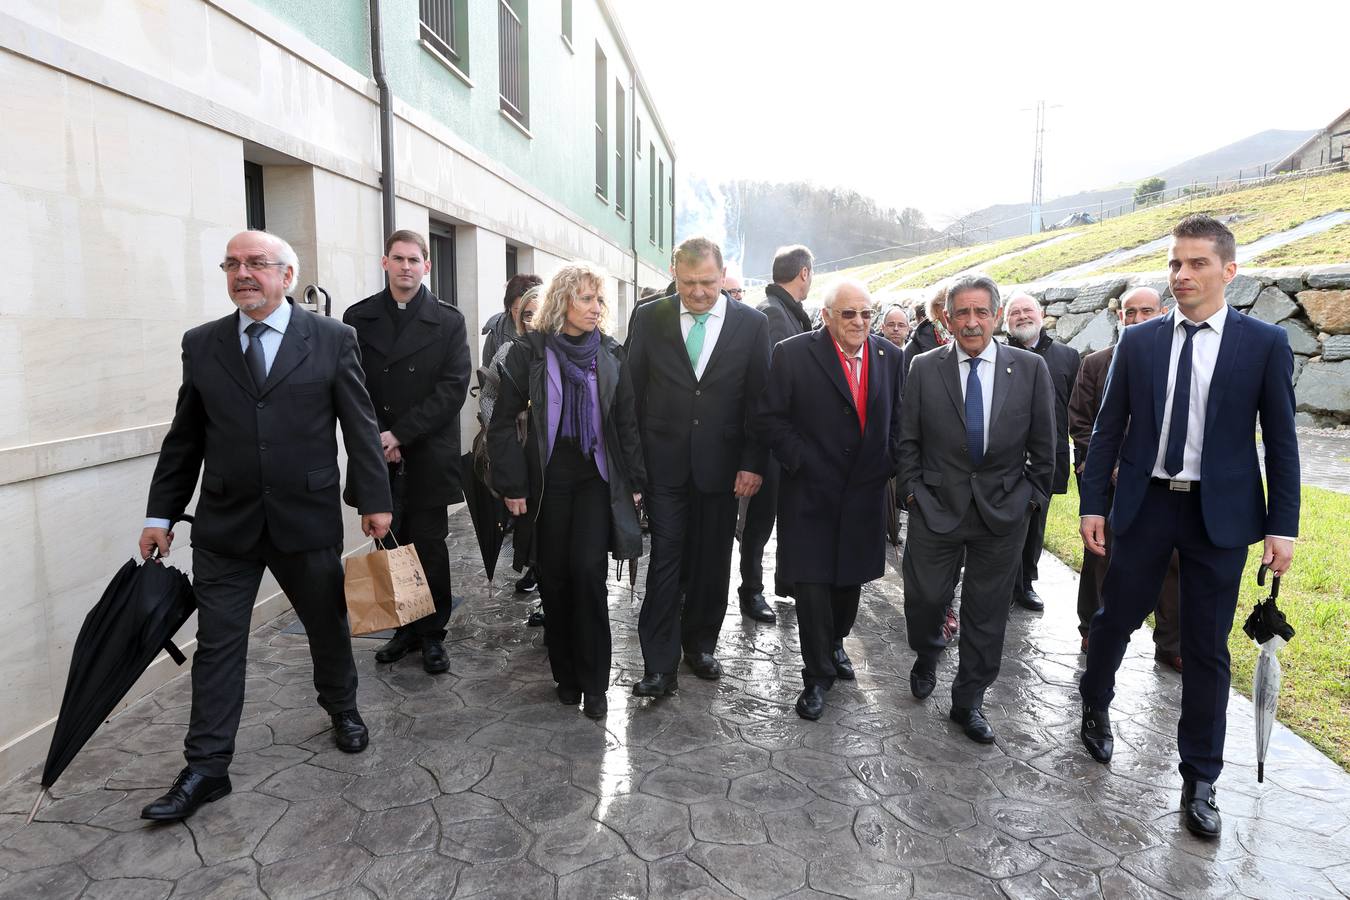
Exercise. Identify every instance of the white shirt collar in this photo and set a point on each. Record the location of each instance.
(989, 354)
(1215, 321)
(858, 354)
(719, 309)
(278, 320)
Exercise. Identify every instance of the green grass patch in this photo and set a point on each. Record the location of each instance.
(1315, 595)
(1330, 247)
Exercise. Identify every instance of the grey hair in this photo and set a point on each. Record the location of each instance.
(971, 282)
(1022, 295)
(285, 253)
(832, 291)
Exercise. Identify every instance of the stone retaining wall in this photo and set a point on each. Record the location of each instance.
(1311, 304)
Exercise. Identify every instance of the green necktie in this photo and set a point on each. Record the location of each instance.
(693, 344)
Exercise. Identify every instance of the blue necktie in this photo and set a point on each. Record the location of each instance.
(257, 361)
(974, 414)
(1181, 404)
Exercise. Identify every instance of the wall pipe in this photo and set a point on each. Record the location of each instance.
(386, 118)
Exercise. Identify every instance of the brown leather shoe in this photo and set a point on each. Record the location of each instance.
(1171, 660)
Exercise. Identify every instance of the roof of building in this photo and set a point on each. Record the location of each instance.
(1298, 151)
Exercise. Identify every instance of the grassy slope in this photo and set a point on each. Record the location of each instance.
(1331, 246)
(1315, 698)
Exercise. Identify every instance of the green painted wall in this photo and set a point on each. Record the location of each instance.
(559, 160)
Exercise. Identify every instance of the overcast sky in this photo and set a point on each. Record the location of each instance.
(932, 104)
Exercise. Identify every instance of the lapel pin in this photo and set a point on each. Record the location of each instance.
(1009, 370)
(880, 352)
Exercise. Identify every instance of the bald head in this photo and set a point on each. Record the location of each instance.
(1139, 305)
(848, 313)
(259, 268)
(1024, 318)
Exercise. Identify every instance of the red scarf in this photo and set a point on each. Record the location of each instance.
(859, 388)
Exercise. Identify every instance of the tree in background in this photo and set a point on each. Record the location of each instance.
(1150, 190)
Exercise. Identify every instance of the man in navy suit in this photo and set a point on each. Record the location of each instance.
(1183, 399)
(831, 416)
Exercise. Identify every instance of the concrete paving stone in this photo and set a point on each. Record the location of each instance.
(125, 814)
(315, 873)
(962, 782)
(1054, 881)
(848, 791)
(248, 770)
(859, 877)
(156, 851)
(149, 770)
(307, 827)
(945, 881)
(51, 883)
(380, 756)
(676, 878)
(839, 741)
(693, 733)
(306, 782)
(1266, 879)
(120, 727)
(89, 771)
(44, 844)
(575, 844)
(819, 829)
(538, 810)
(405, 786)
(232, 827)
(884, 837)
(234, 880)
(128, 889)
(1115, 831)
(456, 767)
(484, 840)
(1280, 842)
(506, 881)
(298, 726)
(725, 822)
(615, 773)
(1021, 820)
(761, 871)
(513, 773)
(1339, 876)
(877, 723)
(510, 737)
(389, 831)
(486, 692)
(887, 774)
(1076, 850)
(79, 809)
(1175, 872)
(620, 878)
(726, 760)
(1021, 781)
(407, 876)
(768, 792)
(453, 727)
(12, 822)
(991, 853)
(780, 734)
(683, 785)
(744, 710)
(811, 766)
(652, 827)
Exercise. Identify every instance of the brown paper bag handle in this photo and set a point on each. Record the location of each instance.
(375, 542)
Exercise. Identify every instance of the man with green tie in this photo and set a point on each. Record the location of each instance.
(698, 362)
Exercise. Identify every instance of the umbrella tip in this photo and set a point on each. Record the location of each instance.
(37, 804)
(1261, 773)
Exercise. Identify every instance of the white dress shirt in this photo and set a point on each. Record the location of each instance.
(712, 327)
(985, 372)
(271, 343)
(1204, 354)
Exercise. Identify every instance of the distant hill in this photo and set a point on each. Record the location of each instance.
(1245, 156)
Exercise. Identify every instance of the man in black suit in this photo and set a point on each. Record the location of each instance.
(698, 360)
(831, 415)
(415, 353)
(977, 452)
(782, 306)
(263, 389)
(1024, 318)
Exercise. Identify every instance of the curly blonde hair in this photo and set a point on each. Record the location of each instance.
(561, 289)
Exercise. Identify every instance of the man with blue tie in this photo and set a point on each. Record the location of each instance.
(1183, 400)
(977, 454)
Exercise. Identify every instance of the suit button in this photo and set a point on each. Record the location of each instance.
(267, 490)
(386, 407)
(847, 451)
(263, 445)
(972, 476)
(696, 421)
(698, 393)
(412, 368)
(261, 404)
(386, 370)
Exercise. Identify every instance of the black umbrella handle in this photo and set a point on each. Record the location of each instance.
(1274, 585)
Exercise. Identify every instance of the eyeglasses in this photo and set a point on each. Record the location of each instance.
(848, 314)
(254, 264)
(527, 316)
(736, 292)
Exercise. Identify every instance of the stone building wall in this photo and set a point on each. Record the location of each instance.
(1311, 304)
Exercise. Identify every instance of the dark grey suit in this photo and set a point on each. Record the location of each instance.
(269, 500)
(959, 508)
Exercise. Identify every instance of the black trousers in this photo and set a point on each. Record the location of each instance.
(426, 530)
(825, 616)
(693, 531)
(572, 547)
(929, 570)
(226, 588)
(1166, 615)
(760, 514)
(1029, 569)
(1167, 522)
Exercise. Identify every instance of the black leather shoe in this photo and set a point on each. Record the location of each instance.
(922, 680)
(705, 665)
(190, 790)
(1029, 599)
(536, 618)
(569, 694)
(527, 583)
(349, 732)
(1200, 809)
(811, 702)
(434, 658)
(973, 723)
(1096, 734)
(756, 608)
(595, 706)
(843, 666)
(397, 647)
(656, 684)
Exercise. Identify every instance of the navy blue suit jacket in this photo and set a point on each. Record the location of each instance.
(1253, 380)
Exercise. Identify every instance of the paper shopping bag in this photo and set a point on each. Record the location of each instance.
(386, 589)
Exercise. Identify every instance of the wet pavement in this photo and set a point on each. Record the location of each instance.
(1324, 458)
(479, 783)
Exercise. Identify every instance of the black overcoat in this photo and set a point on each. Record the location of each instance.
(1063, 362)
(832, 499)
(417, 381)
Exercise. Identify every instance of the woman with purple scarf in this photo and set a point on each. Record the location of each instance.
(575, 483)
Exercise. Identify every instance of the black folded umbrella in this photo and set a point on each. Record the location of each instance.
(137, 617)
(488, 513)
